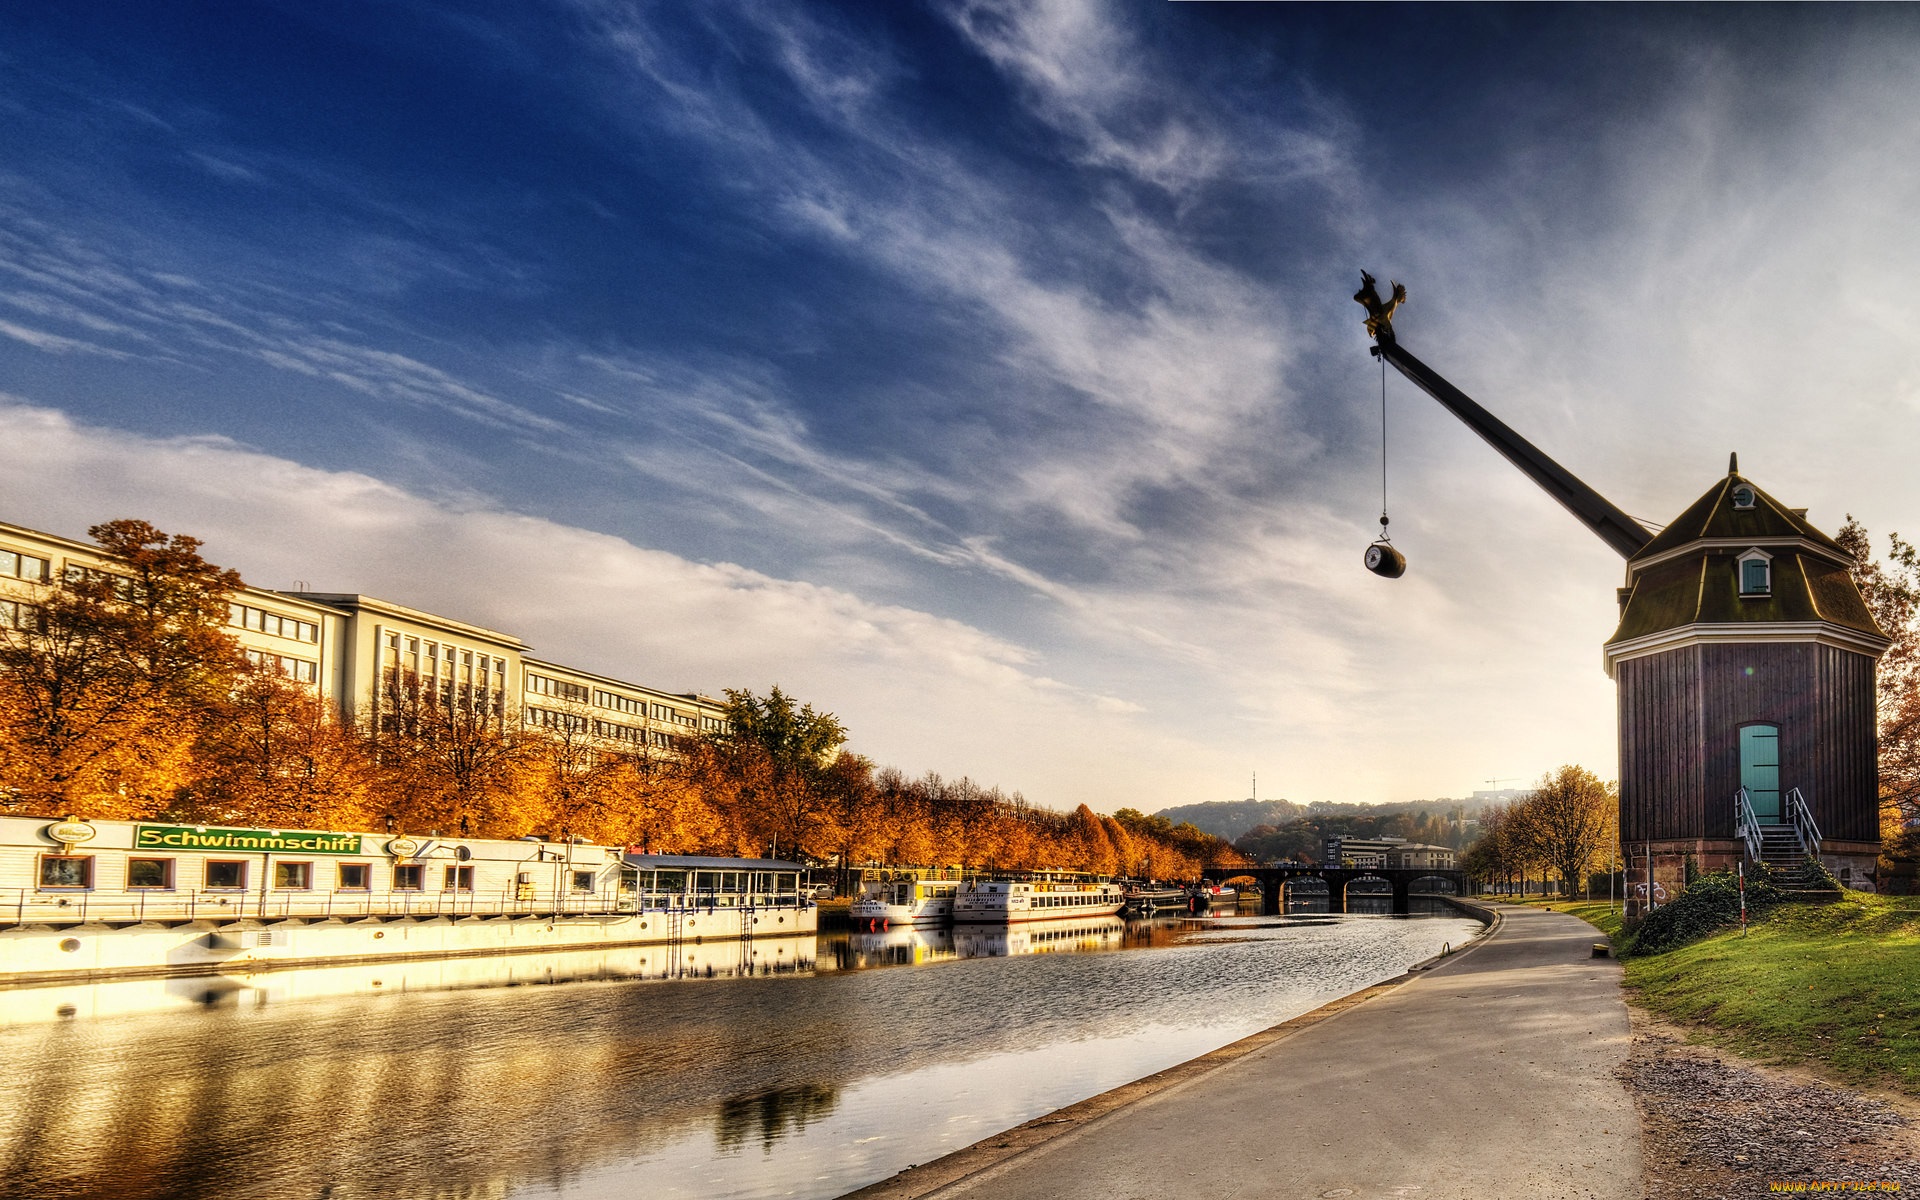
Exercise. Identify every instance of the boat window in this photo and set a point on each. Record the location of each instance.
(706, 881)
(669, 881)
(786, 881)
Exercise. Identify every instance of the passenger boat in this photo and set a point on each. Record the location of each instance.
(903, 899)
(999, 901)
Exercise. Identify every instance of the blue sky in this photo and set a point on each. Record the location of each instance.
(982, 372)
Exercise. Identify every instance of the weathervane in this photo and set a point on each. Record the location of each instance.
(1379, 316)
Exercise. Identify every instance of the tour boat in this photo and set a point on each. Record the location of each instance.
(903, 900)
(997, 901)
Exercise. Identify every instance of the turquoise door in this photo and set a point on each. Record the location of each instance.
(1760, 770)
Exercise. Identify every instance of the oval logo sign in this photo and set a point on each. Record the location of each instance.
(403, 847)
(70, 832)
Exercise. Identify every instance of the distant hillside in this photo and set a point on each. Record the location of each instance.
(1231, 818)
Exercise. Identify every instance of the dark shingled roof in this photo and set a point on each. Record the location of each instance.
(1703, 587)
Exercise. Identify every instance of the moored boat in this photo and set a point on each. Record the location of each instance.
(1149, 898)
(903, 899)
(999, 901)
(1207, 896)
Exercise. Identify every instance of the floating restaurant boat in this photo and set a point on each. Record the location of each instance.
(99, 899)
(903, 898)
(998, 901)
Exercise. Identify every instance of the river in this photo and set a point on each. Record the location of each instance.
(797, 1067)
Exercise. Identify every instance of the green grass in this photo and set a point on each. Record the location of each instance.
(1835, 986)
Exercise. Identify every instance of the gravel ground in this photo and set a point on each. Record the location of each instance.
(1716, 1126)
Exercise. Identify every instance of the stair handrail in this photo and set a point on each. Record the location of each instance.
(1745, 824)
(1804, 828)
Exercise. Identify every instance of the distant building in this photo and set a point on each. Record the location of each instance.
(1361, 852)
(1413, 854)
(357, 651)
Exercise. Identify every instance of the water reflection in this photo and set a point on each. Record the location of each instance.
(799, 1072)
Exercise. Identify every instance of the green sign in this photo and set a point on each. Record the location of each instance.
(286, 841)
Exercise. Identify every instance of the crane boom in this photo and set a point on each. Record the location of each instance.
(1595, 511)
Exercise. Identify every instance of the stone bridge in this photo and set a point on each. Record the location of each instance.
(1274, 880)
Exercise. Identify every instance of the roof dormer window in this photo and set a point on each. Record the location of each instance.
(1756, 573)
(1742, 496)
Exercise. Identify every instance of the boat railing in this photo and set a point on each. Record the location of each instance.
(28, 906)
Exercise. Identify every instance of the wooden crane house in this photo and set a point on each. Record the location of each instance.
(1744, 658)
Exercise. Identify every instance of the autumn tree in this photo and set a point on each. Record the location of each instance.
(452, 763)
(775, 753)
(107, 678)
(1569, 818)
(275, 754)
(1891, 589)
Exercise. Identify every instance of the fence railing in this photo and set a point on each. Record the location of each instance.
(32, 906)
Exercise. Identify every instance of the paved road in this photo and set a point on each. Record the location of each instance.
(1486, 1078)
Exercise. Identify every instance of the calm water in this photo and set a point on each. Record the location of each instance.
(796, 1068)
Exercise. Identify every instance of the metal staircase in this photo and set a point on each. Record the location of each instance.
(1786, 848)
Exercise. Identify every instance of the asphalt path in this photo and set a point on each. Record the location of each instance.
(1486, 1076)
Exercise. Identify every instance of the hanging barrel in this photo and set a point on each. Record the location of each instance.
(1385, 561)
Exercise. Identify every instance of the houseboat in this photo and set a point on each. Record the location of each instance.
(901, 899)
(86, 899)
(999, 901)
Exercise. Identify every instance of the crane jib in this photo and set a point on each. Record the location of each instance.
(1595, 511)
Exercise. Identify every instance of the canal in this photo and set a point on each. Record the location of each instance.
(791, 1067)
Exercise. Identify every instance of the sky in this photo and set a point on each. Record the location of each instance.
(983, 373)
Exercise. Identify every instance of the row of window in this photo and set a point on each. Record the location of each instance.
(614, 731)
(245, 616)
(158, 874)
(559, 689)
(546, 718)
(293, 668)
(15, 565)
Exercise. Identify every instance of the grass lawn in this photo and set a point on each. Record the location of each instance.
(1834, 985)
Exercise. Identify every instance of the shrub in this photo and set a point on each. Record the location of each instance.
(1710, 902)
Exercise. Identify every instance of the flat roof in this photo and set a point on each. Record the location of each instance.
(690, 862)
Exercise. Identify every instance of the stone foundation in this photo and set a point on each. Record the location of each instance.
(1657, 871)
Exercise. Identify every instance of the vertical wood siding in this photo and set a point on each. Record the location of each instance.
(1680, 719)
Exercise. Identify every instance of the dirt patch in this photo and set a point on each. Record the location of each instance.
(1714, 1125)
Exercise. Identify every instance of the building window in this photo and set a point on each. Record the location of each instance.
(293, 875)
(459, 879)
(583, 881)
(66, 870)
(299, 669)
(15, 565)
(149, 873)
(353, 877)
(1743, 496)
(1756, 575)
(226, 874)
(15, 615)
(560, 689)
(408, 877)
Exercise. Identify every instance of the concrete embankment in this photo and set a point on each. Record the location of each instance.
(1489, 1074)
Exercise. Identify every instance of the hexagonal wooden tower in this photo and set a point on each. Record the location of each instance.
(1745, 657)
